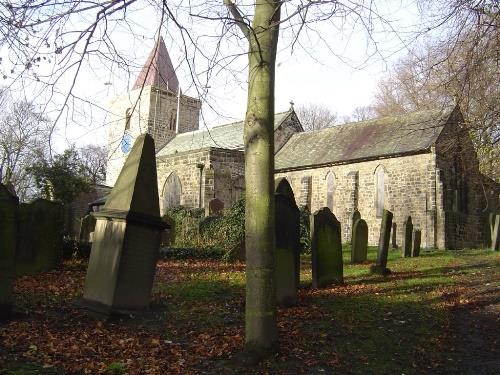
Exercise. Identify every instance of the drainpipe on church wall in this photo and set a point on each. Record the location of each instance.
(200, 166)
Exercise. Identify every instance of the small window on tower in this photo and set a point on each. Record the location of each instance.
(128, 115)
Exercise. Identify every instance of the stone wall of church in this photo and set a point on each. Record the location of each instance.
(123, 121)
(407, 191)
(464, 200)
(216, 173)
(155, 113)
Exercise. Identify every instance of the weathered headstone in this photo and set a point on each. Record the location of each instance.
(326, 246)
(487, 220)
(355, 216)
(215, 207)
(287, 255)
(394, 243)
(8, 237)
(383, 245)
(417, 239)
(495, 232)
(407, 238)
(87, 226)
(40, 236)
(359, 248)
(126, 238)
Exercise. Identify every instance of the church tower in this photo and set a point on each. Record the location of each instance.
(155, 105)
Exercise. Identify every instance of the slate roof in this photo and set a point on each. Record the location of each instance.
(228, 136)
(383, 137)
(158, 70)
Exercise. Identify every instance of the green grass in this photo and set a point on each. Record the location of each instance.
(397, 324)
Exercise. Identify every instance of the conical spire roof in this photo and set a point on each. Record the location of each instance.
(158, 70)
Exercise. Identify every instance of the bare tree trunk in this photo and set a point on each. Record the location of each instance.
(261, 334)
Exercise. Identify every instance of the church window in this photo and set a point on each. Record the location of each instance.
(128, 115)
(330, 190)
(172, 191)
(379, 192)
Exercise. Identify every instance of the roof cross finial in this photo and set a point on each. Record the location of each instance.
(291, 104)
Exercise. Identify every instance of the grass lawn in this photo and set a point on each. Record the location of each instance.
(434, 314)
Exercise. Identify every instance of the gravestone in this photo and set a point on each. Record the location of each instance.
(215, 207)
(417, 239)
(407, 238)
(87, 226)
(126, 238)
(359, 248)
(394, 244)
(355, 216)
(287, 255)
(326, 246)
(383, 245)
(39, 237)
(8, 238)
(495, 232)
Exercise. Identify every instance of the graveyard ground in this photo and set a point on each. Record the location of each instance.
(435, 314)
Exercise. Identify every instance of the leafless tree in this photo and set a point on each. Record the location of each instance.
(461, 67)
(316, 116)
(23, 139)
(94, 160)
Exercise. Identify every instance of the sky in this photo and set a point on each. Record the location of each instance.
(333, 63)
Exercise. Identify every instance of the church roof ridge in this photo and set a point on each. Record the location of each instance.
(229, 136)
(158, 69)
(393, 135)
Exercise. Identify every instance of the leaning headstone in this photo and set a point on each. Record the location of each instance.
(359, 248)
(495, 232)
(39, 236)
(394, 244)
(287, 255)
(355, 216)
(383, 245)
(408, 238)
(417, 239)
(326, 246)
(87, 226)
(8, 238)
(126, 238)
(215, 207)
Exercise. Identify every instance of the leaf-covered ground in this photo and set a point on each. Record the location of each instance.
(435, 314)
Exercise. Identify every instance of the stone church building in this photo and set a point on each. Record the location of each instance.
(421, 164)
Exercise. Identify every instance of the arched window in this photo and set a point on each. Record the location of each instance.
(172, 191)
(330, 190)
(128, 115)
(379, 192)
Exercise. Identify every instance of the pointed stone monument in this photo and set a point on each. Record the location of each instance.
(126, 238)
(383, 245)
(8, 237)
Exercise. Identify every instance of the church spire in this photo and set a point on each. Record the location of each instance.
(158, 70)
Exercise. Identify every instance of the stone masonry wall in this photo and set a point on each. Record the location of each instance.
(155, 113)
(186, 166)
(461, 187)
(221, 175)
(407, 192)
(116, 129)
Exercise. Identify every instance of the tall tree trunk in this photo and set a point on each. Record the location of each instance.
(261, 334)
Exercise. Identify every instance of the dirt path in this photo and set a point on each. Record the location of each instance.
(475, 323)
